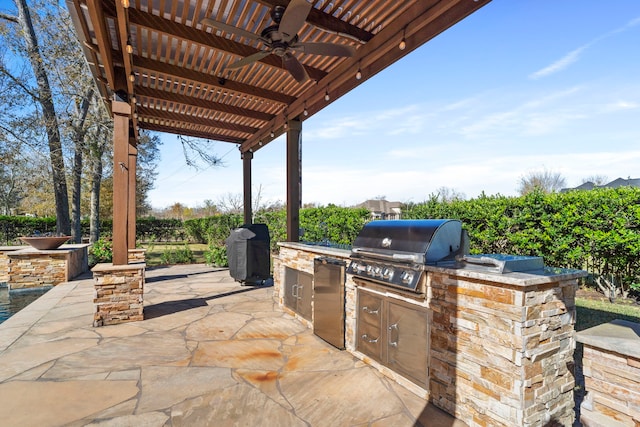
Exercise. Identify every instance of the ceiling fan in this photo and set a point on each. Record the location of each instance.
(282, 37)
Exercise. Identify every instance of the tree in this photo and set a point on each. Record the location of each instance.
(446, 194)
(43, 95)
(545, 181)
(595, 179)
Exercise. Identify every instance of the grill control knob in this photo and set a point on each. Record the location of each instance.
(387, 273)
(406, 276)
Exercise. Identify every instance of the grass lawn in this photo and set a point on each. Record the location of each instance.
(155, 251)
(592, 312)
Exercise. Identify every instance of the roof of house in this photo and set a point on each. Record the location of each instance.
(616, 183)
(380, 205)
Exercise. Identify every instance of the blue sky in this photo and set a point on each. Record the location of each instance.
(518, 87)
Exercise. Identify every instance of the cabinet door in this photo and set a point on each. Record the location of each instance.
(291, 288)
(407, 341)
(304, 294)
(370, 339)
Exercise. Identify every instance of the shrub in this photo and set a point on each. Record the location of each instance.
(177, 255)
(101, 251)
(217, 256)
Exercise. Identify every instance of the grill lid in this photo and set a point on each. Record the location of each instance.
(420, 241)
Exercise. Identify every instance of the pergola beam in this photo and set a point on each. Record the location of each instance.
(152, 113)
(198, 77)
(167, 96)
(188, 131)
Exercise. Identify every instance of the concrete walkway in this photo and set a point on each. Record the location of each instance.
(209, 353)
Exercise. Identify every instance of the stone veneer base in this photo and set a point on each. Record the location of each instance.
(611, 367)
(27, 267)
(119, 291)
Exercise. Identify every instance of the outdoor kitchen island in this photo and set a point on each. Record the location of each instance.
(489, 348)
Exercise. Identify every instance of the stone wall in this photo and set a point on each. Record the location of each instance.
(136, 255)
(119, 291)
(611, 367)
(501, 355)
(4, 261)
(31, 268)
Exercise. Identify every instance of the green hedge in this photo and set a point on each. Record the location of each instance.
(597, 230)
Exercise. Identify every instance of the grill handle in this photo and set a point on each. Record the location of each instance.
(394, 257)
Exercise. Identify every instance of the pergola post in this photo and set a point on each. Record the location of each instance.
(131, 209)
(246, 180)
(121, 112)
(294, 179)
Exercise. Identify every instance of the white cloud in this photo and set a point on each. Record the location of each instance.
(560, 64)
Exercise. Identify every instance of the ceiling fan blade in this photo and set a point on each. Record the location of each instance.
(293, 18)
(229, 29)
(249, 59)
(329, 49)
(294, 67)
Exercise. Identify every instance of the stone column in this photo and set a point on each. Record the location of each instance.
(118, 293)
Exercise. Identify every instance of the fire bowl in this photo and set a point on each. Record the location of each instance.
(46, 242)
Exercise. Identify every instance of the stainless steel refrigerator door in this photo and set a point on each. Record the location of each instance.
(328, 300)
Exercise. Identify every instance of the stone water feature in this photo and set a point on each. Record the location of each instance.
(47, 261)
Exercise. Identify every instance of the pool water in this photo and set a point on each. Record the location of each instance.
(12, 302)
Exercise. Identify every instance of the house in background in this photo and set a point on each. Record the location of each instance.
(382, 209)
(616, 183)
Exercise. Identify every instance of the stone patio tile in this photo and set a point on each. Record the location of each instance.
(125, 353)
(121, 330)
(16, 361)
(341, 398)
(132, 374)
(217, 326)
(163, 387)
(65, 401)
(34, 373)
(276, 328)
(266, 382)
(150, 419)
(246, 354)
(240, 405)
(120, 410)
(317, 357)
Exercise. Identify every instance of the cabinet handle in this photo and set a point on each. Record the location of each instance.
(300, 287)
(369, 311)
(391, 328)
(369, 340)
(294, 291)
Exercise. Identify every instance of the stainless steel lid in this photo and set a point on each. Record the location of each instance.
(419, 241)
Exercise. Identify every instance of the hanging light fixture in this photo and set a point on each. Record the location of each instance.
(132, 77)
(129, 46)
(326, 94)
(271, 134)
(305, 111)
(358, 73)
(403, 43)
(125, 3)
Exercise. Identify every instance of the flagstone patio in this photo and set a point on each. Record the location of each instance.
(209, 352)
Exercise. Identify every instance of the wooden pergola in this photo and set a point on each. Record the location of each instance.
(160, 67)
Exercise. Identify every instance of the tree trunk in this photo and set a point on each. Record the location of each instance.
(63, 224)
(79, 147)
(96, 150)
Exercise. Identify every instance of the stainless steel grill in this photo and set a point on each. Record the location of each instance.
(394, 252)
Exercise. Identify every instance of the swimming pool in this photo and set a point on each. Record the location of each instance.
(12, 302)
